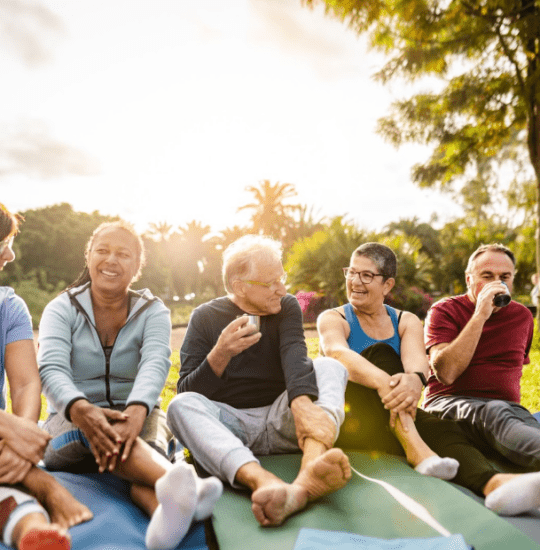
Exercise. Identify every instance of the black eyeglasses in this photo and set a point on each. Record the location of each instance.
(365, 276)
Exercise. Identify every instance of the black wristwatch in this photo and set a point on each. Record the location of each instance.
(422, 377)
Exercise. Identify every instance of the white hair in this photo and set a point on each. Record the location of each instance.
(240, 256)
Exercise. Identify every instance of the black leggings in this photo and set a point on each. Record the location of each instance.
(366, 426)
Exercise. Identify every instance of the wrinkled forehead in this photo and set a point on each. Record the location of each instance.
(266, 268)
(493, 262)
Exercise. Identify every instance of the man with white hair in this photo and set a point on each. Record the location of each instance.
(245, 391)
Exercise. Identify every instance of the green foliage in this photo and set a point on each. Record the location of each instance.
(272, 214)
(180, 313)
(481, 122)
(36, 297)
(315, 262)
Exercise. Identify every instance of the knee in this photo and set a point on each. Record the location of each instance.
(329, 367)
(493, 410)
(182, 404)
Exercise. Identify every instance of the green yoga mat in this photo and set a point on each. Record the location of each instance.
(366, 508)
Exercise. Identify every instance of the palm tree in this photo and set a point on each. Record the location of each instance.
(160, 231)
(271, 215)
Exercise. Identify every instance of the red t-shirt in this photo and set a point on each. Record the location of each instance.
(495, 369)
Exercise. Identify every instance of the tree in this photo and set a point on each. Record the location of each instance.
(272, 216)
(487, 115)
(314, 263)
(52, 243)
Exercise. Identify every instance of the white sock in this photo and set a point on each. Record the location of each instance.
(436, 466)
(176, 493)
(520, 494)
(208, 491)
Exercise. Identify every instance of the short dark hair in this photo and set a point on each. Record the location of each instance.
(381, 255)
(9, 223)
(494, 247)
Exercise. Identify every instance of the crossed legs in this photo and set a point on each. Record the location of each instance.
(224, 441)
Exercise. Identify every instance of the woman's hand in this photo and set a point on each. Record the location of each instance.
(129, 429)
(13, 468)
(95, 424)
(404, 395)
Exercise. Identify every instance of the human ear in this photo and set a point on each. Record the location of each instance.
(389, 285)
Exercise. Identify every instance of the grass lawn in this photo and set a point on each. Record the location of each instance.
(530, 382)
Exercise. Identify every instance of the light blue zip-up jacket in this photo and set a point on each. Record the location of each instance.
(73, 364)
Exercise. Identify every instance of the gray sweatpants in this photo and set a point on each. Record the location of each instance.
(222, 438)
(503, 425)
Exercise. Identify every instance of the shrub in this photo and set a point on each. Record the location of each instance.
(411, 299)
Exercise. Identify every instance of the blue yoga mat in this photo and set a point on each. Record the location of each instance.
(118, 524)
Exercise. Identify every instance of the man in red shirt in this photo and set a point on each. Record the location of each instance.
(477, 351)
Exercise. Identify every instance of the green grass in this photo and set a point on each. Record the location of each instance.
(530, 382)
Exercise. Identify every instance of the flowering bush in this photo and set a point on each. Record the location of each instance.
(411, 299)
(312, 304)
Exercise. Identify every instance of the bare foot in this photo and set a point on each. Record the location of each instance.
(64, 508)
(327, 473)
(273, 503)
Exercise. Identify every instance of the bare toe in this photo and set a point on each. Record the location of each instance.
(272, 504)
(327, 473)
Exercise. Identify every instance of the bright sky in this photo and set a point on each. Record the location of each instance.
(181, 104)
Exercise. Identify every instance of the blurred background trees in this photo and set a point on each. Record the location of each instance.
(184, 262)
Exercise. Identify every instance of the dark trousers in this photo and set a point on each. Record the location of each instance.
(366, 426)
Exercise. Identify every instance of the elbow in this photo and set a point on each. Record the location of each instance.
(329, 351)
(443, 375)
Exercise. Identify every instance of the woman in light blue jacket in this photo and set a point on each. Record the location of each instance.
(104, 359)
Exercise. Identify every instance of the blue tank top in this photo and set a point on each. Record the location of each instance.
(358, 340)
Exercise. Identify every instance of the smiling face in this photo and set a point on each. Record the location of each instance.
(367, 297)
(257, 299)
(113, 260)
(489, 266)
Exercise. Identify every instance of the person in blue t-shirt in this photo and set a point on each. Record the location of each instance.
(39, 511)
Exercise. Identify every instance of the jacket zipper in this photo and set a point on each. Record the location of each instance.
(107, 358)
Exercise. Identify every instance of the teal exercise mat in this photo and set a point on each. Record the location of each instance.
(366, 508)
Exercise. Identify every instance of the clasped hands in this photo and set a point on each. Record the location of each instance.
(111, 434)
(22, 446)
(400, 395)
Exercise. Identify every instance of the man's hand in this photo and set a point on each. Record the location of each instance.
(405, 390)
(95, 424)
(24, 437)
(234, 339)
(13, 468)
(129, 429)
(484, 300)
(312, 422)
